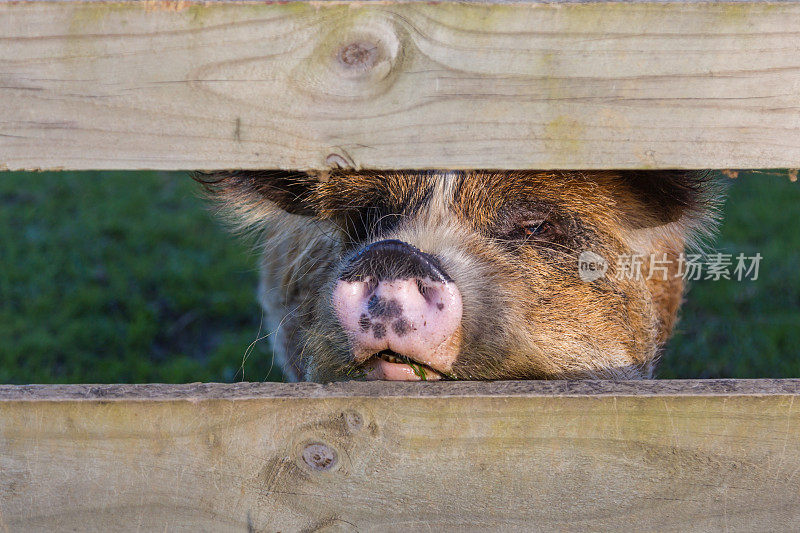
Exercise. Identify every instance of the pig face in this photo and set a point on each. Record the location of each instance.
(412, 275)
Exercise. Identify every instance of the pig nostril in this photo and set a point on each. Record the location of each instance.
(371, 284)
(422, 288)
(427, 289)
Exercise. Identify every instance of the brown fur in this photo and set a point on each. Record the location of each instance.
(527, 314)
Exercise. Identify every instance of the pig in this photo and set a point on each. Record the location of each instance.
(470, 275)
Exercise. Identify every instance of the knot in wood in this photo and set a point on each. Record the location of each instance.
(359, 55)
(353, 421)
(337, 161)
(319, 456)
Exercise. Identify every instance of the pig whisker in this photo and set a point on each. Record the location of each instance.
(249, 350)
(251, 347)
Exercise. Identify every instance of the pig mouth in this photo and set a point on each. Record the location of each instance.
(392, 366)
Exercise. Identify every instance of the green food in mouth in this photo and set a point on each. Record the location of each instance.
(418, 370)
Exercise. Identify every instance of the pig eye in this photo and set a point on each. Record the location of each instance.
(532, 225)
(540, 229)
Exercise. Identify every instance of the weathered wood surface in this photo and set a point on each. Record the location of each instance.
(655, 456)
(182, 85)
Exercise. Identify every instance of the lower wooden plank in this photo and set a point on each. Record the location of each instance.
(666, 456)
(183, 84)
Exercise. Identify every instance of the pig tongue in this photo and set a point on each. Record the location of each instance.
(379, 369)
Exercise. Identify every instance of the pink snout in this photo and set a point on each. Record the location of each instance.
(415, 317)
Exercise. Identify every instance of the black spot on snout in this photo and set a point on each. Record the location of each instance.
(379, 330)
(383, 308)
(400, 327)
(364, 322)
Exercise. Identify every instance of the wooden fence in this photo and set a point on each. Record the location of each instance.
(652, 455)
(388, 84)
(187, 85)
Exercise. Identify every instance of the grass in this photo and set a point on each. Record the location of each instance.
(127, 277)
(122, 277)
(746, 329)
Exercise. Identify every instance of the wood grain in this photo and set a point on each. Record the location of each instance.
(183, 85)
(390, 389)
(666, 456)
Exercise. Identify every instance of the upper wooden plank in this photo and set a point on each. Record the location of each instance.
(389, 389)
(182, 85)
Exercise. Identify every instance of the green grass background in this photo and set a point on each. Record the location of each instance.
(128, 277)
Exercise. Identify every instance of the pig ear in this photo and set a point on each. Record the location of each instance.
(664, 196)
(680, 204)
(254, 195)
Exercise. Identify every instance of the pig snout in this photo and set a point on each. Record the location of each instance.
(400, 311)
